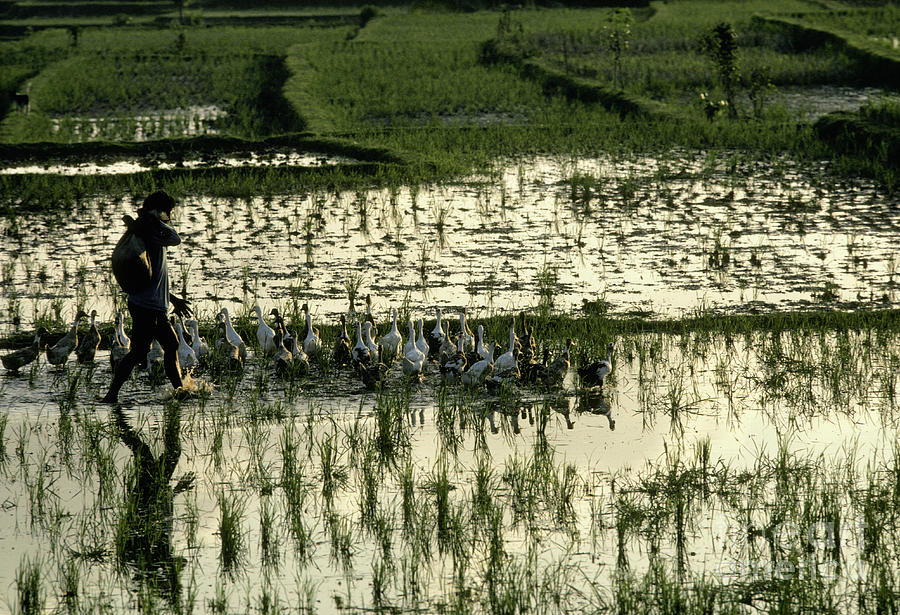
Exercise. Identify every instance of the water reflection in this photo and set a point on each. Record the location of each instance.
(504, 415)
(696, 234)
(144, 538)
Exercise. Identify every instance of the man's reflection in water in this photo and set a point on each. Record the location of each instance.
(144, 538)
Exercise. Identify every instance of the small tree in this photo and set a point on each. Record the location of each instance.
(721, 46)
(616, 36)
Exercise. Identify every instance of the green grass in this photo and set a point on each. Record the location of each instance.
(409, 82)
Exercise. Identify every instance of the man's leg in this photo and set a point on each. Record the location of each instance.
(166, 336)
(141, 336)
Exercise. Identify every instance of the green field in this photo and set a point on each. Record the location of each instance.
(416, 81)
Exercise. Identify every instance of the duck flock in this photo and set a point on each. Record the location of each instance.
(458, 357)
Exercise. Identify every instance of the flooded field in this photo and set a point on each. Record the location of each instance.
(652, 236)
(722, 462)
(754, 468)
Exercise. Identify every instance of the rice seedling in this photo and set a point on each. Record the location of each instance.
(231, 534)
(4, 455)
(29, 587)
(340, 531)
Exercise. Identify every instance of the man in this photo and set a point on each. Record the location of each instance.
(149, 306)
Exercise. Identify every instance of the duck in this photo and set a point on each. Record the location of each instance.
(506, 365)
(233, 336)
(595, 373)
(265, 335)
(413, 362)
(121, 344)
(187, 360)
(411, 340)
(281, 356)
(156, 369)
(557, 370)
(312, 343)
(449, 347)
(373, 375)
(534, 371)
(480, 370)
(421, 342)
(301, 360)
(453, 365)
(119, 336)
(360, 351)
(480, 348)
(87, 346)
(60, 351)
(436, 336)
(527, 353)
(369, 318)
(229, 353)
(468, 337)
(198, 344)
(17, 359)
(343, 345)
(392, 339)
(370, 343)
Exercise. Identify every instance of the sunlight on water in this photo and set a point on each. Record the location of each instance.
(656, 236)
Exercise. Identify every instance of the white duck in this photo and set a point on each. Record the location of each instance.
(369, 342)
(121, 344)
(155, 362)
(360, 352)
(312, 345)
(392, 339)
(468, 338)
(448, 344)
(478, 372)
(479, 343)
(201, 348)
(229, 353)
(411, 340)
(265, 334)
(370, 318)
(506, 366)
(436, 337)
(120, 337)
(60, 351)
(413, 362)
(186, 357)
(233, 336)
(421, 342)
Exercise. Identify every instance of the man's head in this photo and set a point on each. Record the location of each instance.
(160, 203)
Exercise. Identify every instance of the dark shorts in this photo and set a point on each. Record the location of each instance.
(148, 325)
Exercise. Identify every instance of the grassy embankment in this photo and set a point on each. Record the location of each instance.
(416, 84)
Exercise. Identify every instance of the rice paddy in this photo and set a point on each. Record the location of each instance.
(742, 453)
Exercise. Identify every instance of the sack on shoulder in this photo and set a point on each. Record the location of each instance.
(130, 261)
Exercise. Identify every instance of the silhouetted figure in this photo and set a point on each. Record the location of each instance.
(148, 307)
(145, 533)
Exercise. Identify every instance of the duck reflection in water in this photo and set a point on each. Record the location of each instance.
(144, 536)
(595, 403)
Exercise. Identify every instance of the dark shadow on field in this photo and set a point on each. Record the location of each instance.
(144, 534)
